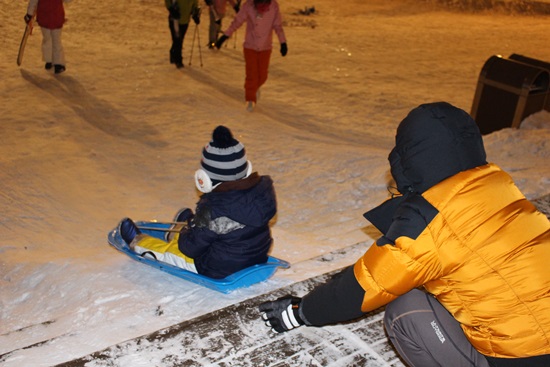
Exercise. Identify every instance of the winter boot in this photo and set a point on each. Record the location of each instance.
(59, 68)
(128, 230)
(250, 106)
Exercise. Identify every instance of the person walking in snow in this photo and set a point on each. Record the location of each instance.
(461, 231)
(262, 17)
(229, 230)
(217, 13)
(180, 13)
(50, 16)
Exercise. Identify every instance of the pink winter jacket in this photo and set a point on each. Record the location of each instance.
(50, 14)
(259, 28)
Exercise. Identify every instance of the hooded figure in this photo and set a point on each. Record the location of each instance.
(463, 233)
(435, 141)
(229, 230)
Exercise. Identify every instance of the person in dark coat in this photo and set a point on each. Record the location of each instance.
(229, 230)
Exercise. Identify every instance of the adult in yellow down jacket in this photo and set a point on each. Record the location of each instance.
(462, 263)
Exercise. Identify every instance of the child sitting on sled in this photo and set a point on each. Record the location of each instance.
(229, 230)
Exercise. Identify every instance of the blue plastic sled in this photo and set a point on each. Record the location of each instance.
(240, 279)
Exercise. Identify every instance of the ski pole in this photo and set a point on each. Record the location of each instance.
(193, 45)
(199, 40)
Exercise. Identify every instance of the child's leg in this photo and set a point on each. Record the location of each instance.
(251, 82)
(263, 66)
(47, 53)
(58, 55)
(426, 334)
(167, 252)
(257, 65)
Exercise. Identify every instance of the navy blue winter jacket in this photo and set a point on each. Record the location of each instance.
(230, 230)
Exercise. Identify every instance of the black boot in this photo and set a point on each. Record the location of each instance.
(48, 66)
(128, 230)
(59, 68)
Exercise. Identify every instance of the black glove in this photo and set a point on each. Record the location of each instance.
(284, 49)
(184, 215)
(208, 2)
(282, 314)
(220, 41)
(237, 7)
(27, 18)
(196, 15)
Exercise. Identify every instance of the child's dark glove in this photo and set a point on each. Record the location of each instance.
(208, 2)
(284, 49)
(184, 216)
(282, 314)
(220, 41)
(237, 6)
(27, 18)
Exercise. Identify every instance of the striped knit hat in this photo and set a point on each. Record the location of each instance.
(224, 158)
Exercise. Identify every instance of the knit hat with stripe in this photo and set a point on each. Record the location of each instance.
(224, 158)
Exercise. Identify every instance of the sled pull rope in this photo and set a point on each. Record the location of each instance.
(175, 230)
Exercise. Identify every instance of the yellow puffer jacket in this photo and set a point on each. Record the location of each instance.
(482, 249)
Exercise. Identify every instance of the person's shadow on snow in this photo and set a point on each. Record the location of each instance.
(96, 112)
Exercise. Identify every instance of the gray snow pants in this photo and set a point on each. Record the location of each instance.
(425, 334)
(52, 47)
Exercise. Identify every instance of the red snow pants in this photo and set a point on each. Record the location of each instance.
(257, 65)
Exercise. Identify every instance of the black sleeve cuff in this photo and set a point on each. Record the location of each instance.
(336, 301)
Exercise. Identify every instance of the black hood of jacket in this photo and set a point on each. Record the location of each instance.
(435, 141)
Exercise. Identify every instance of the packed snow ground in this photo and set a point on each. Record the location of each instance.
(121, 131)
